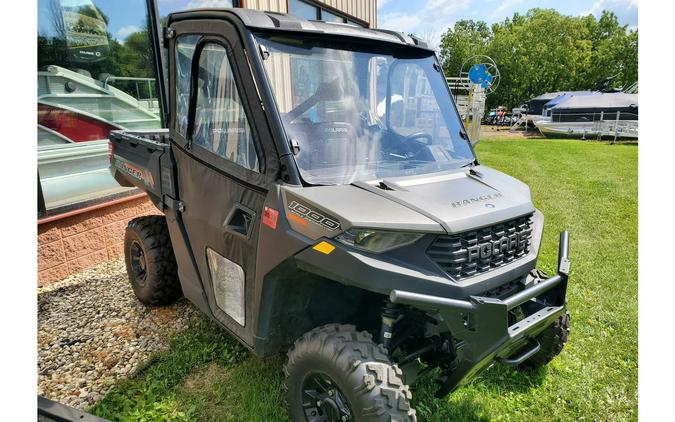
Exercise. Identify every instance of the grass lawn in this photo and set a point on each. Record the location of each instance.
(589, 189)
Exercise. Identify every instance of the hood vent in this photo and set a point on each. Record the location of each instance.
(384, 186)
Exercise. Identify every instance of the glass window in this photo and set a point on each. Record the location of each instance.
(185, 48)
(221, 125)
(95, 74)
(363, 114)
(303, 10)
(327, 16)
(412, 105)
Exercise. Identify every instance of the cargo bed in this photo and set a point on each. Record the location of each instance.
(143, 159)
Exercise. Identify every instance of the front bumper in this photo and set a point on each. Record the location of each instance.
(481, 324)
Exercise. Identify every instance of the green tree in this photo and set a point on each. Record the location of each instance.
(614, 52)
(135, 56)
(544, 51)
(467, 38)
(538, 52)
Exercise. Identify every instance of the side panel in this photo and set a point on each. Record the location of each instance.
(209, 198)
(190, 281)
(135, 161)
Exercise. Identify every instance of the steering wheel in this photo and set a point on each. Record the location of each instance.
(423, 138)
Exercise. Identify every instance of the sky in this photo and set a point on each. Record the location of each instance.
(431, 18)
(426, 18)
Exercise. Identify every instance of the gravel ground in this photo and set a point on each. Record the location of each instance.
(92, 332)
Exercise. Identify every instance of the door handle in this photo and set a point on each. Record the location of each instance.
(239, 221)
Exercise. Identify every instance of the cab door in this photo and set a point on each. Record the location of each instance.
(224, 170)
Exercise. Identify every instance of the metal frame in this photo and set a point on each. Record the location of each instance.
(157, 45)
(42, 209)
(482, 321)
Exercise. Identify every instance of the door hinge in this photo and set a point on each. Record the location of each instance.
(174, 204)
(295, 146)
(167, 34)
(264, 52)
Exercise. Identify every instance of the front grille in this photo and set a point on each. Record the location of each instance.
(467, 254)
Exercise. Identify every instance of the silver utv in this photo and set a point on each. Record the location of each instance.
(320, 196)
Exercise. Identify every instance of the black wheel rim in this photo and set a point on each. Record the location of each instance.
(138, 264)
(323, 401)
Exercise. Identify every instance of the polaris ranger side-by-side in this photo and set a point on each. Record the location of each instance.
(320, 195)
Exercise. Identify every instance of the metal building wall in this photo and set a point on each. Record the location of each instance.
(280, 65)
(279, 72)
(366, 10)
(268, 5)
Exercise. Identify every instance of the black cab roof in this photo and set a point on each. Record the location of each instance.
(256, 19)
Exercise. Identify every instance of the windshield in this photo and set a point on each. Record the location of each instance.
(354, 115)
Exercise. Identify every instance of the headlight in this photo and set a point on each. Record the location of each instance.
(375, 240)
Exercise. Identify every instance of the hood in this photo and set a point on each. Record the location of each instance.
(460, 200)
(349, 206)
(449, 202)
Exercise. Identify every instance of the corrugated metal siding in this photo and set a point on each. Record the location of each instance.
(366, 10)
(279, 71)
(268, 5)
(279, 66)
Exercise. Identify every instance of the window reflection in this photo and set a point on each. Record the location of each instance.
(310, 11)
(303, 10)
(331, 17)
(185, 49)
(95, 74)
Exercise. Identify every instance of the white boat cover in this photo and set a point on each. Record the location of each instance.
(601, 101)
(548, 96)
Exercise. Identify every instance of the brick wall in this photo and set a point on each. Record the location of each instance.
(69, 245)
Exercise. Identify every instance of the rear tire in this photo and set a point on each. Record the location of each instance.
(552, 340)
(151, 265)
(361, 382)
